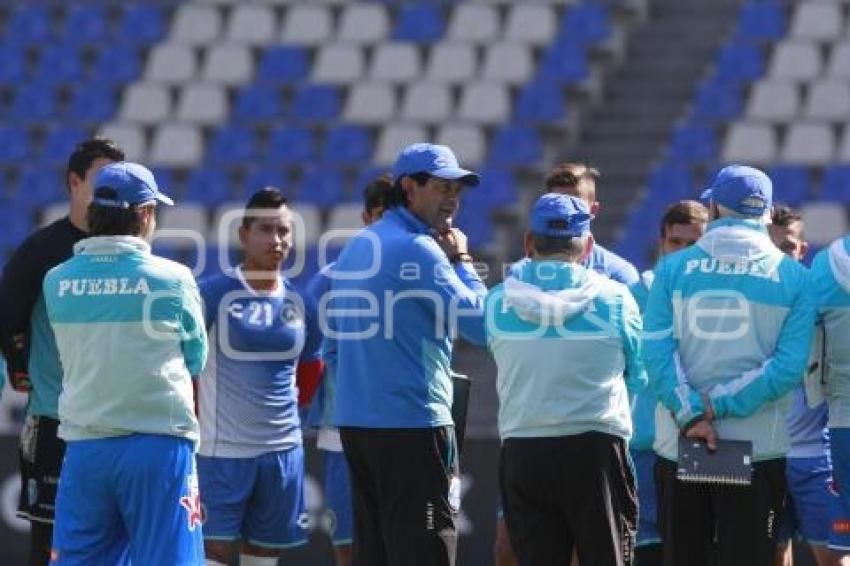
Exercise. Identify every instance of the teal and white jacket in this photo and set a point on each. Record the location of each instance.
(643, 399)
(130, 331)
(563, 338)
(830, 285)
(729, 317)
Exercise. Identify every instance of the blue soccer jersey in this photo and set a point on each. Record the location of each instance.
(247, 396)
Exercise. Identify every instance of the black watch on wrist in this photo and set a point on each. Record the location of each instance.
(461, 257)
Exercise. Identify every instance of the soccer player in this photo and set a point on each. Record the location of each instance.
(401, 288)
(728, 325)
(30, 348)
(337, 483)
(251, 460)
(681, 226)
(130, 335)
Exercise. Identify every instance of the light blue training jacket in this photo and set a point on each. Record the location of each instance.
(130, 331)
(643, 399)
(731, 318)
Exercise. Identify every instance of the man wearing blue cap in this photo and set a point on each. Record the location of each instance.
(130, 334)
(728, 326)
(566, 343)
(29, 346)
(401, 289)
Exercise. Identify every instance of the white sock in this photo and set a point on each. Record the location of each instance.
(249, 560)
(209, 562)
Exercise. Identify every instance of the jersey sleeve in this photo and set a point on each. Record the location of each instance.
(193, 330)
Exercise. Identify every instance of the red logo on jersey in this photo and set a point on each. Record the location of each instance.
(192, 504)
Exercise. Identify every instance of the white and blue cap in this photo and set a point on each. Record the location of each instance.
(560, 216)
(436, 160)
(745, 190)
(133, 184)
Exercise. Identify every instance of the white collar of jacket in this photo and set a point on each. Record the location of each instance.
(735, 239)
(100, 245)
(839, 260)
(552, 308)
(647, 278)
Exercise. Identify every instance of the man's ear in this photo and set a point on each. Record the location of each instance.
(72, 182)
(528, 245)
(588, 248)
(595, 208)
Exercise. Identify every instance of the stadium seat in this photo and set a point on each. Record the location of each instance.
(564, 62)
(750, 143)
(836, 184)
(184, 217)
(395, 137)
(761, 21)
(14, 144)
(130, 137)
(33, 103)
(740, 61)
(668, 182)
(395, 62)
(306, 24)
(29, 24)
(291, 145)
(85, 24)
(145, 103)
(142, 24)
(262, 177)
(345, 217)
(427, 103)
(252, 24)
(828, 101)
(51, 213)
(204, 104)
(370, 103)
(365, 176)
(498, 187)
(118, 64)
(209, 186)
(321, 186)
(796, 60)
(791, 184)
(452, 62)
(844, 147)
(825, 222)
(232, 145)
(224, 228)
(228, 64)
(13, 68)
(176, 145)
(717, 101)
(310, 221)
(258, 103)
(809, 143)
(362, 24)
(59, 63)
(338, 64)
(515, 146)
(195, 24)
(467, 141)
(315, 103)
(91, 105)
(38, 185)
(541, 103)
(171, 63)
(418, 22)
(530, 23)
(587, 22)
(347, 145)
(474, 22)
(839, 61)
(58, 144)
(285, 65)
(508, 63)
(484, 103)
(820, 21)
(476, 224)
(774, 101)
(693, 144)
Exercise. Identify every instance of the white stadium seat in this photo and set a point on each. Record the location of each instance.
(339, 64)
(774, 101)
(145, 103)
(474, 22)
(204, 104)
(130, 137)
(396, 62)
(484, 103)
(172, 64)
(809, 143)
(363, 24)
(176, 145)
(508, 62)
(452, 62)
(796, 60)
(750, 143)
(370, 103)
(394, 138)
(307, 24)
(532, 23)
(816, 20)
(839, 61)
(467, 141)
(825, 222)
(829, 100)
(228, 64)
(427, 103)
(252, 24)
(195, 24)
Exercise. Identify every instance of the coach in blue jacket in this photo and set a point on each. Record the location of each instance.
(401, 290)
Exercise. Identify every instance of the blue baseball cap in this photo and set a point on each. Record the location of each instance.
(436, 160)
(746, 190)
(132, 183)
(560, 216)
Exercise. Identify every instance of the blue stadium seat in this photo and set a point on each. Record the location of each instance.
(263, 177)
(258, 103)
(59, 63)
(516, 146)
(232, 145)
(291, 145)
(364, 177)
(86, 24)
(761, 20)
(142, 24)
(16, 226)
(117, 64)
(209, 185)
(739, 61)
(13, 69)
(38, 185)
(92, 102)
(669, 182)
(791, 184)
(166, 182)
(717, 101)
(565, 62)
(836, 184)
(420, 22)
(284, 65)
(541, 102)
(476, 224)
(587, 23)
(498, 187)
(29, 24)
(347, 145)
(315, 103)
(321, 186)
(59, 143)
(33, 103)
(14, 144)
(693, 144)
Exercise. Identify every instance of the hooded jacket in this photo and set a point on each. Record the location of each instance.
(563, 338)
(729, 318)
(643, 400)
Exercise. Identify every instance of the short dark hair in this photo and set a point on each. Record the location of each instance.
(573, 247)
(112, 220)
(376, 193)
(268, 198)
(683, 212)
(569, 175)
(784, 216)
(396, 196)
(87, 151)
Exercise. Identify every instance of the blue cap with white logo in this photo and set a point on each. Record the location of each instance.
(745, 190)
(560, 216)
(133, 184)
(436, 160)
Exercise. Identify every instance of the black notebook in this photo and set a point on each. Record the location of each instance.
(730, 464)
